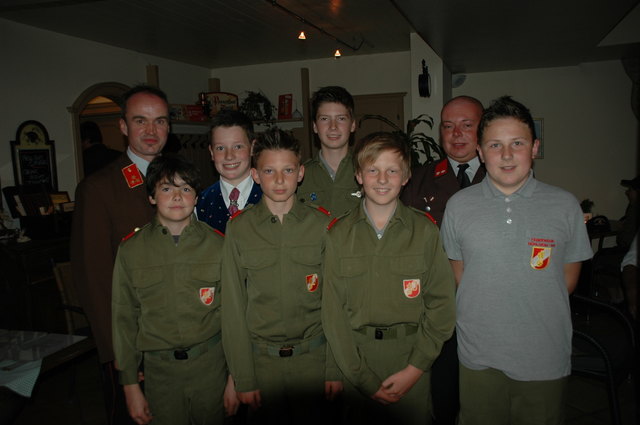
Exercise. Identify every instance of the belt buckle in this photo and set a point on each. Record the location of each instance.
(286, 351)
(181, 354)
(379, 333)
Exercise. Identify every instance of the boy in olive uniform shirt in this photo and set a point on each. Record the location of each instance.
(272, 260)
(329, 176)
(166, 307)
(389, 299)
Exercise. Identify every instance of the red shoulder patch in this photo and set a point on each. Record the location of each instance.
(130, 234)
(334, 221)
(234, 215)
(132, 176)
(219, 232)
(323, 210)
(430, 217)
(442, 168)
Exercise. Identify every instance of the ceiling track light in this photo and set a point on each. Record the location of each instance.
(337, 54)
(302, 36)
(274, 3)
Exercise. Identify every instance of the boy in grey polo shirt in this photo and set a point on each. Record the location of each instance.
(516, 246)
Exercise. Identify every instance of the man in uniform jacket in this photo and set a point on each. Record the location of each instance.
(110, 204)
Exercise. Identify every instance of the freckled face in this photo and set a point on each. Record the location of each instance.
(507, 150)
(174, 202)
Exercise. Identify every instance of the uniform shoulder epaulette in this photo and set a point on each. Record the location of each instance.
(132, 175)
(127, 237)
(218, 232)
(430, 217)
(235, 214)
(323, 210)
(424, 214)
(442, 168)
(334, 221)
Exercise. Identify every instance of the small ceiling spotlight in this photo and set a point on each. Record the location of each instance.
(337, 54)
(302, 36)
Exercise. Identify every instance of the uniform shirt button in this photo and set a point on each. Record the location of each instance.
(274, 220)
(509, 221)
(164, 231)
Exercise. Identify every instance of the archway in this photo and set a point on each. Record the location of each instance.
(109, 90)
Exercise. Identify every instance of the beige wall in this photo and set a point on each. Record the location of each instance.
(590, 133)
(365, 74)
(43, 73)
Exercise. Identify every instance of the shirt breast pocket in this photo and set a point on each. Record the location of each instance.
(147, 284)
(353, 274)
(204, 283)
(407, 280)
(307, 261)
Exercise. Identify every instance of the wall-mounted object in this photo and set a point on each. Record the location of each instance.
(34, 156)
(424, 81)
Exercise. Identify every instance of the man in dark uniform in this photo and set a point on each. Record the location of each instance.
(429, 189)
(109, 205)
(433, 184)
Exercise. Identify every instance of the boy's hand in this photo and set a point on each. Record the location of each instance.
(398, 384)
(252, 398)
(230, 398)
(137, 404)
(382, 397)
(332, 389)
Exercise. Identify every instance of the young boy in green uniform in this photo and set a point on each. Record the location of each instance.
(389, 301)
(272, 331)
(166, 307)
(329, 176)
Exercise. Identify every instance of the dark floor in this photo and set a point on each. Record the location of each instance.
(52, 402)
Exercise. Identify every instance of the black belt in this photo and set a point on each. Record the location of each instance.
(289, 350)
(390, 332)
(187, 353)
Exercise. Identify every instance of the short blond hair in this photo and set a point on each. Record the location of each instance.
(369, 148)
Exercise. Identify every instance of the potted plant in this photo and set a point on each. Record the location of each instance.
(257, 107)
(420, 143)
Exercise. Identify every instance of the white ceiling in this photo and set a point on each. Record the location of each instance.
(470, 35)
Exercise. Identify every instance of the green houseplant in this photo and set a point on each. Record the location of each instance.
(420, 143)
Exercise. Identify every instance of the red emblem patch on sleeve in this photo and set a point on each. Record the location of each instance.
(132, 176)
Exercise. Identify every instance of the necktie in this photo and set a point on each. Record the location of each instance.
(463, 178)
(233, 201)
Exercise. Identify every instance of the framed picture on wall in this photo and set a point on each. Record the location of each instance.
(538, 124)
(33, 156)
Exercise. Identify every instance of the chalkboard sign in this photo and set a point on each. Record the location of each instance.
(33, 155)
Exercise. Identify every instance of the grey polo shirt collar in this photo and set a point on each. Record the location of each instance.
(490, 191)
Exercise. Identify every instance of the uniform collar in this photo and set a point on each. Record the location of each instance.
(298, 211)
(401, 214)
(142, 164)
(157, 226)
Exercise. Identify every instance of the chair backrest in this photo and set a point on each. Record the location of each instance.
(74, 314)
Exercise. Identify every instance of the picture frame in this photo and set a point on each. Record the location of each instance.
(538, 124)
(33, 156)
